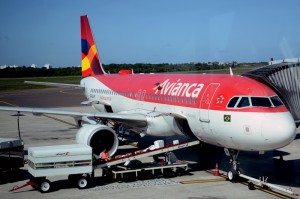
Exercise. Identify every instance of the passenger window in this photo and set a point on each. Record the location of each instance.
(261, 101)
(276, 101)
(244, 102)
(232, 102)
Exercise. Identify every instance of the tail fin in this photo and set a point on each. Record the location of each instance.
(90, 61)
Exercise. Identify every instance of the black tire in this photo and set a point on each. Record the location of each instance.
(180, 172)
(157, 174)
(128, 177)
(144, 175)
(251, 186)
(83, 182)
(44, 186)
(233, 175)
(168, 173)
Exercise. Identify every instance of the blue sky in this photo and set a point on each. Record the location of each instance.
(152, 31)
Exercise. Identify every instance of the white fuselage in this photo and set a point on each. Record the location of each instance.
(248, 131)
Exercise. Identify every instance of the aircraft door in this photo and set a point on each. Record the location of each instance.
(206, 101)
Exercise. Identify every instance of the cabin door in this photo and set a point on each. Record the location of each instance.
(206, 101)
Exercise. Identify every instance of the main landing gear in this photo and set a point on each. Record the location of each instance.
(233, 173)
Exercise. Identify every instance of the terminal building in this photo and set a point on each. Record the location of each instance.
(290, 60)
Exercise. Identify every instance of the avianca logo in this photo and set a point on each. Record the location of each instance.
(178, 88)
(157, 86)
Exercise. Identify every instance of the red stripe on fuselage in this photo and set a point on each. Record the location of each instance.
(177, 88)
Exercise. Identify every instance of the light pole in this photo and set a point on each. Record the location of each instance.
(18, 120)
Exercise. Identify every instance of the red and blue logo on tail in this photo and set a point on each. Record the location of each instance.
(90, 61)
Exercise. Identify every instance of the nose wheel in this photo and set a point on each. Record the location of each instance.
(233, 173)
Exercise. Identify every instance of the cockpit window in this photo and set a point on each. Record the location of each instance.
(276, 101)
(261, 101)
(232, 102)
(244, 102)
(241, 102)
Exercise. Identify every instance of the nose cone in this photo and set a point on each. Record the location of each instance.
(278, 130)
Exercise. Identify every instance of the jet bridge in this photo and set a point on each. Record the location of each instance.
(283, 78)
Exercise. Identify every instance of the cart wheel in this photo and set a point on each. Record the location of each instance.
(150, 176)
(143, 175)
(128, 177)
(181, 172)
(157, 174)
(83, 182)
(168, 173)
(44, 186)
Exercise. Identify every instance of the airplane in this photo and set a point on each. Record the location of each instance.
(230, 111)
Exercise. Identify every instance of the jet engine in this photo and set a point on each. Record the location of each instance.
(99, 137)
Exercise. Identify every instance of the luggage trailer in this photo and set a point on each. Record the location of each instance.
(11, 157)
(166, 167)
(76, 161)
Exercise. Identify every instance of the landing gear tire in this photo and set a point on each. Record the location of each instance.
(251, 186)
(233, 175)
(44, 186)
(83, 182)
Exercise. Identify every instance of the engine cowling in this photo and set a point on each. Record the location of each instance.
(98, 137)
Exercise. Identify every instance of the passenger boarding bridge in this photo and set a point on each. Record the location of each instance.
(284, 78)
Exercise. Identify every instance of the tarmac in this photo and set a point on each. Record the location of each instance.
(282, 166)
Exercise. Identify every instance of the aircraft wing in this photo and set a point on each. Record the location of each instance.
(54, 84)
(138, 120)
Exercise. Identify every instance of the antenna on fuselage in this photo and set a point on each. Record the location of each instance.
(231, 73)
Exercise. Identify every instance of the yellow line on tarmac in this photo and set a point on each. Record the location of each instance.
(258, 188)
(203, 181)
(65, 122)
(7, 103)
(66, 91)
(268, 191)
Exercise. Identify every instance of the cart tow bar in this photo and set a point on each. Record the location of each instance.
(29, 183)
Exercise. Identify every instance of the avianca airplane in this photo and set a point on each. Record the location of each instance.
(234, 112)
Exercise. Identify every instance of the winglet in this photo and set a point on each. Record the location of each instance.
(90, 61)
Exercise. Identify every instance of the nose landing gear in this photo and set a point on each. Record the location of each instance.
(233, 173)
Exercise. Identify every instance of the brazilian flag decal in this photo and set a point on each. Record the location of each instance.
(227, 118)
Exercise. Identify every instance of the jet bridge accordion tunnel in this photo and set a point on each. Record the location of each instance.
(284, 79)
